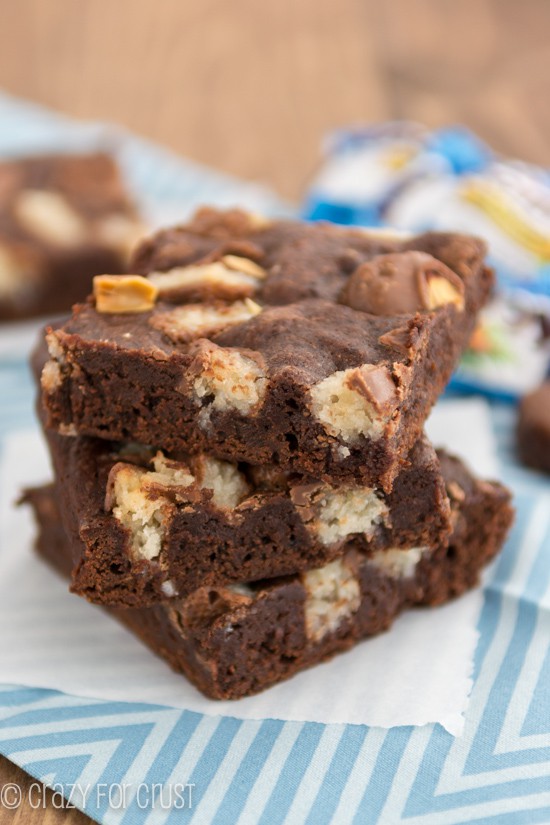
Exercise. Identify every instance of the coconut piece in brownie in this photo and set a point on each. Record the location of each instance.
(146, 526)
(533, 428)
(239, 639)
(63, 219)
(316, 348)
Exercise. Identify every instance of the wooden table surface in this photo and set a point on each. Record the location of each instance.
(251, 87)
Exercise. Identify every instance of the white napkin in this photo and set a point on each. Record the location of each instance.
(417, 673)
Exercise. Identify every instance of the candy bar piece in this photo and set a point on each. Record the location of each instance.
(146, 526)
(63, 219)
(237, 640)
(315, 348)
(533, 429)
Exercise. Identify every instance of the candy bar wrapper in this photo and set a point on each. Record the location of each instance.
(404, 176)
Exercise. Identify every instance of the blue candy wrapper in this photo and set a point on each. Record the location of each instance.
(404, 176)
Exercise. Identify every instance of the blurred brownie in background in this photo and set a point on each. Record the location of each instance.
(533, 428)
(63, 219)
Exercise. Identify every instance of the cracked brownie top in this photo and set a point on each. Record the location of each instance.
(278, 341)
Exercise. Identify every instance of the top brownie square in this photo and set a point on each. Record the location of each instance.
(315, 348)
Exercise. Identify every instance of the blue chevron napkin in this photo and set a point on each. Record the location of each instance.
(139, 763)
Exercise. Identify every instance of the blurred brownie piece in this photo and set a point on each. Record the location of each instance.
(533, 429)
(237, 640)
(63, 219)
(314, 348)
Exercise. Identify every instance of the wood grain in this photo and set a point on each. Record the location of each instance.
(249, 87)
(37, 807)
(252, 87)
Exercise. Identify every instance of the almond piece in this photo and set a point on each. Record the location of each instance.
(199, 282)
(124, 293)
(441, 292)
(238, 264)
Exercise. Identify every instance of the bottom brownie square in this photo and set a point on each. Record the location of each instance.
(237, 640)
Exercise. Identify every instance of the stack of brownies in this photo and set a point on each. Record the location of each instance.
(236, 428)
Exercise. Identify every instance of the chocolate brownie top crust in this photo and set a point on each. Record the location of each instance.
(308, 341)
(299, 261)
(323, 341)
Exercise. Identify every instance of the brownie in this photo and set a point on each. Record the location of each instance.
(533, 428)
(145, 526)
(308, 346)
(237, 640)
(63, 219)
